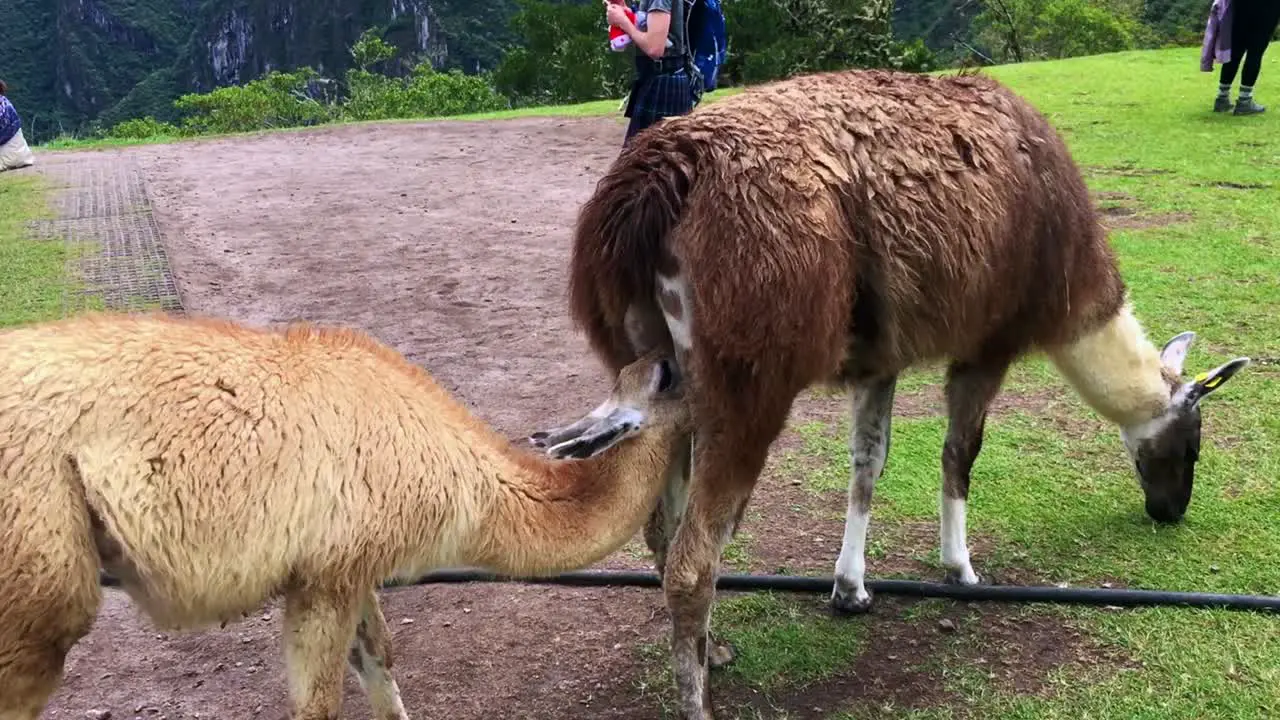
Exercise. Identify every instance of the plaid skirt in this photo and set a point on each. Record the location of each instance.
(657, 96)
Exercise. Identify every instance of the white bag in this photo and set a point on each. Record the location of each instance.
(15, 154)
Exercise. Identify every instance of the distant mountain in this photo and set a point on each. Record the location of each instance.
(73, 61)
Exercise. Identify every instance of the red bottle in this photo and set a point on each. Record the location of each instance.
(618, 40)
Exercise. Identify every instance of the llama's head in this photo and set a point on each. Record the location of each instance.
(648, 396)
(1164, 450)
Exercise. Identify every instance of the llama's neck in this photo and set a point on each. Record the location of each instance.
(1117, 371)
(551, 516)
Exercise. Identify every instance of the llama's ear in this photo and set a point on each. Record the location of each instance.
(1174, 354)
(1207, 382)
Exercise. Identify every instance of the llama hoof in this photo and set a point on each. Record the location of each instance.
(962, 577)
(721, 655)
(538, 439)
(846, 602)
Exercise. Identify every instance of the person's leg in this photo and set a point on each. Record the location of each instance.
(639, 107)
(1239, 35)
(1256, 25)
(1222, 103)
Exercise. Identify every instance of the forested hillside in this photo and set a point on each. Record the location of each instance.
(73, 62)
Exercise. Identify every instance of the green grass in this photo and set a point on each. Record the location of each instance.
(32, 269)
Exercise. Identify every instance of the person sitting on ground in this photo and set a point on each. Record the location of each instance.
(664, 85)
(14, 152)
(1249, 25)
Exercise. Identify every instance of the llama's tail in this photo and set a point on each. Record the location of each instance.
(621, 238)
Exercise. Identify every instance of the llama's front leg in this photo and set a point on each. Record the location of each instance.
(970, 389)
(868, 447)
(318, 630)
(370, 657)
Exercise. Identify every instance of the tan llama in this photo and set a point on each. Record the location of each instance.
(211, 467)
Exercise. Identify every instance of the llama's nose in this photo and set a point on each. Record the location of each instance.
(1165, 511)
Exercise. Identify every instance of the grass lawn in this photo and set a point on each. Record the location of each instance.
(1053, 500)
(33, 270)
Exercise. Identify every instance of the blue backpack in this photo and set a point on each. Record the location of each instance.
(708, 40)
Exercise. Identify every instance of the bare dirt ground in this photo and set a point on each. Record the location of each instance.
(448, 241)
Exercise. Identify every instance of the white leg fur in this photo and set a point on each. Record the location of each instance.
(380, 687)
(955, 548)
(868, 448)
(368, 658)
(851, 566)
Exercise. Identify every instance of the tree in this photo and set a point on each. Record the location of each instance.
(1021, 30)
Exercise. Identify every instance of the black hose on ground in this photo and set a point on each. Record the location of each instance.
(1116, 597)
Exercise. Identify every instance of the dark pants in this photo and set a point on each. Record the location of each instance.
(1252, 25)
(657, 93)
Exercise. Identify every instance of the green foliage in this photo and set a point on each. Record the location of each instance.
(563, 56)
(1176, 21)
(301, 98)
(142, 129)
(26, 47)
(425, 93)
(371, 50)
(1076, 27)
(276, 101)
(478, 34)
(771, 39)
(1022, 30)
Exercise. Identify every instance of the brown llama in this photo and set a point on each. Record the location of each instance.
(843, 227)
(211, 467)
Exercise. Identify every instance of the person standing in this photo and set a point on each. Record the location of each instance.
(665, 84)
(1249, 25)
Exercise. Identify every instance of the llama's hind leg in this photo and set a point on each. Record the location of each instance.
(319, 628)
(868, 447)
(49, 582)
(30, 673)
(970, 389)
(370, 657)
(661, 527)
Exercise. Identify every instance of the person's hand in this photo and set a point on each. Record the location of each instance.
(616, 14)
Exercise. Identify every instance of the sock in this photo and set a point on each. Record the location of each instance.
(1246, 92)
(1224, 90)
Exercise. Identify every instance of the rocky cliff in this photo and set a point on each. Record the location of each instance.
(74, 61)
(235, 42)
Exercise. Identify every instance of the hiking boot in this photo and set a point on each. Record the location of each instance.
(1249, 107)
(1222, 104)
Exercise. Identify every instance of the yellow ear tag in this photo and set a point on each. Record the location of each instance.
(1203, 379)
